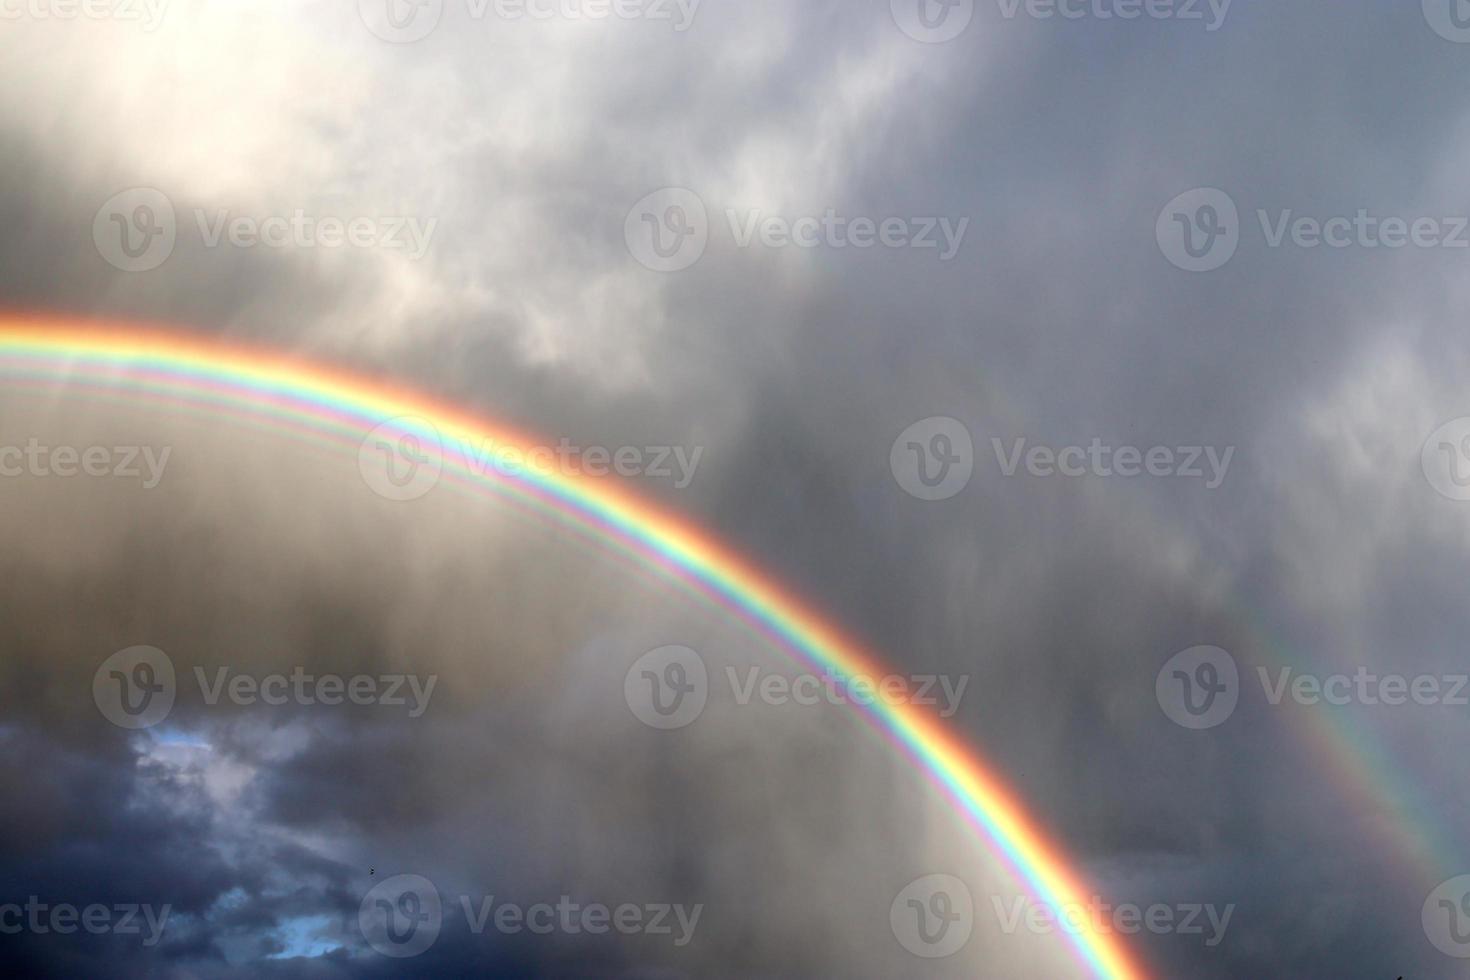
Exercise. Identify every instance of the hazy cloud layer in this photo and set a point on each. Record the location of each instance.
(517, 148)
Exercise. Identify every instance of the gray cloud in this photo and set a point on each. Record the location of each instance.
(1059, 321)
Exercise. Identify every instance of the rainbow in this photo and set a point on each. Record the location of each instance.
(193, 373)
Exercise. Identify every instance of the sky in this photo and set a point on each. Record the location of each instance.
(1097, 364)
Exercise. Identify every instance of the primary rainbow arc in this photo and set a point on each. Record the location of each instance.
(186, 370)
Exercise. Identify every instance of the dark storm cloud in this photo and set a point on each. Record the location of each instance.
(1059, 321)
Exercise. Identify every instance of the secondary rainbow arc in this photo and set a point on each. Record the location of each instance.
(183, 369)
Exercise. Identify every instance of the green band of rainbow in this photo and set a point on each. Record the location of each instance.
(184, 370)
